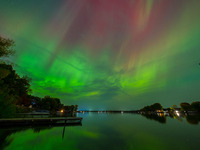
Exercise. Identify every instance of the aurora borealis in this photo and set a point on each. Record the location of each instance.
(107, 54)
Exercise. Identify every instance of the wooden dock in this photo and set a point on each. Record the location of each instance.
(57, 121)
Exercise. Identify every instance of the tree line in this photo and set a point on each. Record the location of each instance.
(14, 89)
(194, 106)
(154, 107)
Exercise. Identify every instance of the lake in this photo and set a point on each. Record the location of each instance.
(103, 131)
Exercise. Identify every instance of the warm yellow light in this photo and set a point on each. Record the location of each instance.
(61, 110)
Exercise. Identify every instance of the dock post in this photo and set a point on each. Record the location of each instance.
(64, 130)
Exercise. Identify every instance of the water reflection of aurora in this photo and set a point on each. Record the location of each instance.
(109, 131)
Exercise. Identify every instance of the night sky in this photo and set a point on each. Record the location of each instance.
(107, 54)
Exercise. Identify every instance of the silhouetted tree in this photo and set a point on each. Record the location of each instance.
(70, 109)
(185, 106)
(154, 107)
(6, 99)
(196, 106)
(48, 103)
(6, 46)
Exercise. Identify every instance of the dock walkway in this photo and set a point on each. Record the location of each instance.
(40, 121)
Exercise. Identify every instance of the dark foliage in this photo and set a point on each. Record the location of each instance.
(195, 106)
(154, 107)
(6, 47)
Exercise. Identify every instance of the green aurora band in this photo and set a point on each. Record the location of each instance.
(104, 54)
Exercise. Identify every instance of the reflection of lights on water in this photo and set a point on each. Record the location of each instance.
(166, 114)
(177, 113)
(160, 114)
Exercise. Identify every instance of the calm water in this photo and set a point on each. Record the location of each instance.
(108, 131)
